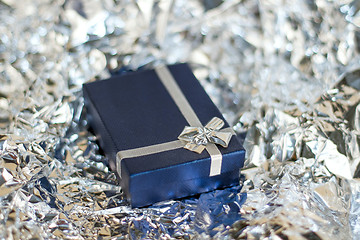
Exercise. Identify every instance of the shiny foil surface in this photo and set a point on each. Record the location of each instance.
(286, 72)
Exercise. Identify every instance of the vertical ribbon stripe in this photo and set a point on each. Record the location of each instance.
(176, 94)
(186, 110)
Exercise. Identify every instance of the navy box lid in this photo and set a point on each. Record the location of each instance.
(135, 110)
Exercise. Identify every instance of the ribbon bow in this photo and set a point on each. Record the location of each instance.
(197, 138)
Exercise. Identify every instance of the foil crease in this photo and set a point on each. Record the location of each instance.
(285, 72)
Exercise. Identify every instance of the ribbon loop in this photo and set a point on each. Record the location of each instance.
(215, 124)
(197, 138)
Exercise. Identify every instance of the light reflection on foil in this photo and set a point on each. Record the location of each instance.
(287, 72)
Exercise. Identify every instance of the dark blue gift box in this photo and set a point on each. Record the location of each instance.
(138, 118)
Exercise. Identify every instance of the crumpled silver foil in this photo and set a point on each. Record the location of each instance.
(285, 72)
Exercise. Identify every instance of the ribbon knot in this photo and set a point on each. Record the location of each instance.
(197, 138)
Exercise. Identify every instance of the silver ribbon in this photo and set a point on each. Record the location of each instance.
(196, 138)
(185, 108)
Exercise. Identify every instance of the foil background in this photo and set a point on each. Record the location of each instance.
(286, 72)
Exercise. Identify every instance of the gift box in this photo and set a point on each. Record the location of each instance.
(162, 134)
